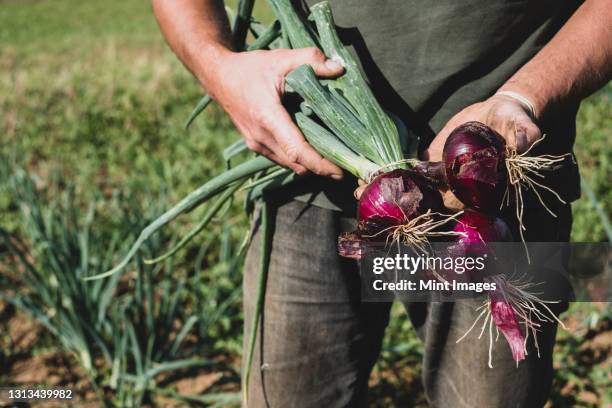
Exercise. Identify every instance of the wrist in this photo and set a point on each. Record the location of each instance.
(522, 100)
(209, 63)
(531, 101)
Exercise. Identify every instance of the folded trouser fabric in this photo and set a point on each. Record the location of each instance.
(318, 342)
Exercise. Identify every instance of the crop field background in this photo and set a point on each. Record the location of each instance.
(92, 105)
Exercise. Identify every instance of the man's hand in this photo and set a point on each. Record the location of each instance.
(250, 85)
(509, 117)
(576, 62)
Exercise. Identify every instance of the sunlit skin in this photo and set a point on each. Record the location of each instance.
(249, 85)
(575, 63)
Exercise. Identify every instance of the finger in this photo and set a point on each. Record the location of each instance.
(259, 148)
(314, 57)
(297, 150)
(362, 182)
(435, 148)
(266, 151)
(359, 191)
(279, 155)
(518, 130)
(526, 133)
(451, 201)
(285, 163)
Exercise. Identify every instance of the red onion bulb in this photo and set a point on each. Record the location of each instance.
(474, 157)
(390, 200)
(477, 227)
(395, 197)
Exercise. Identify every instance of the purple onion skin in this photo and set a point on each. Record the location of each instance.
(504, 318)
(373, 203)
(394, 198)
(480, 229)
(350, 245)
(391, 199)
(474, 157)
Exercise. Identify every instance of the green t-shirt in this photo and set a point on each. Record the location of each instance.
(427, 60)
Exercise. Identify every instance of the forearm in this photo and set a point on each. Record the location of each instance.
(197, 31)
(575, 63)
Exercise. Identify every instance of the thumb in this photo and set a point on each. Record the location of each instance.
(359, 191)
(328, 68)
(526, 133)
(314, 57)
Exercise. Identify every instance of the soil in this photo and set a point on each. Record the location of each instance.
(23, 362)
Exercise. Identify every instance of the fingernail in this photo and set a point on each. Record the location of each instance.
(336, 176)
(333, 65)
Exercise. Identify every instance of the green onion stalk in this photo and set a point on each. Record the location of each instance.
(339, 117)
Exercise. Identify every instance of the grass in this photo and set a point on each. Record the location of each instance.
(594, 127)
(91, 97)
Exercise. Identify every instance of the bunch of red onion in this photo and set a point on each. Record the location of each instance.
(480, 169)
(401, 206)
(511, 304)
(485, 173)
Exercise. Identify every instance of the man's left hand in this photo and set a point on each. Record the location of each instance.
(509, 117)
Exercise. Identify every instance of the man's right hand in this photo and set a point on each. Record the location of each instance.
(249, 86)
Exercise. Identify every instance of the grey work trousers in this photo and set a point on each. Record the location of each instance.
(320, 341)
